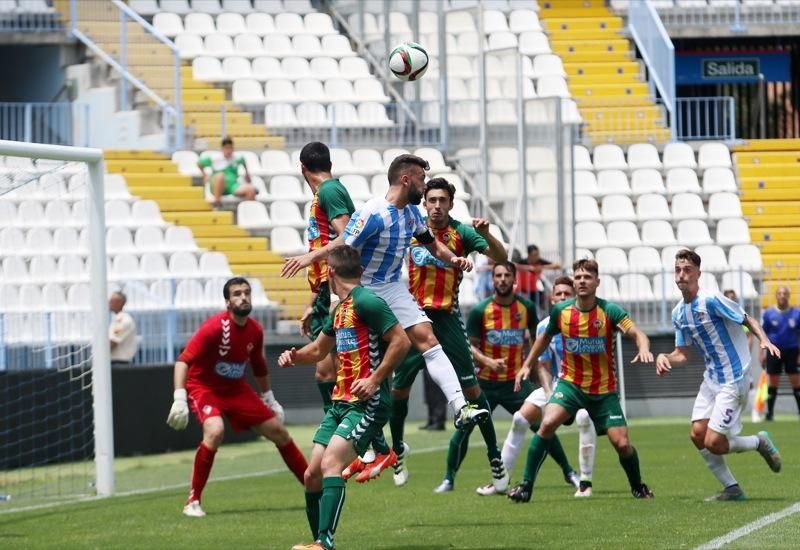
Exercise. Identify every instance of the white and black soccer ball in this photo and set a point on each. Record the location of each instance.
(408, 61)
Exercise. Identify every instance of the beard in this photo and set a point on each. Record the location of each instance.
(242, 310)
(504, 293)
(414, 196)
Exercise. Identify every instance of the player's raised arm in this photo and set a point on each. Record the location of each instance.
(495, 250)
(665, 361)
(310, 354)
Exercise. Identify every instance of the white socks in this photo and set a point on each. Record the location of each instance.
(740, 444)
(513, 442)
(441, 370)
(587, 440)
(716, 464)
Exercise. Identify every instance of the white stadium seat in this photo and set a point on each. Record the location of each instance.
(586, 209)
(745, 256)
(643, 155)
(644, 259)
(590, 235)
(693, 233)
(190, 45)
(719, 180)
(678, 155)
(179, 238)
(617, 208)
(664, 286)
(688, 206)
(613, 182)
(682, 180)
(608, 289)
(609, 157)
(611, 260)
(731, 231)
(646, 181)
(657, 233)
(724, 205)
(713, 257)
(168, 24)
(199, 23)
(634, 287)
(741, 282)
(585, 183)
(623, 234)
(652, 207)
(259, 23)
(286, 241)
(286, 213)
(714, 155)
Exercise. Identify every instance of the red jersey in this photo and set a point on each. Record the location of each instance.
(220, 350)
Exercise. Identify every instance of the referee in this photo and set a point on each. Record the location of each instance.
(781, 323)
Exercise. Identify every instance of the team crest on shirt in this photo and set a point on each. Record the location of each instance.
(207, 409)
(598, 324)
(357, 226)
(775, 322)
(446, 236)
(250, 347)
(792, 323)
(517, 316)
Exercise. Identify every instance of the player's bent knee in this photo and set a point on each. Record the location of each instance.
(401, 393)
(213, 431)
(332, 465)
(582, 419)
(312, 479)
(472, 392)
(531, 413)
(520, 422)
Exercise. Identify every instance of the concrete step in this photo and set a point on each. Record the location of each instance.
(568, 45)
(555, 24)
(575, 70)
(233, 243)
(214, 217)
(764, 235)
(184, 205)
(126, 154)
(773, 220)
(768, 145)
(171, 192)
(157, 180)
(771, 208)
(121, 166)
(760, 195)
(217, 231)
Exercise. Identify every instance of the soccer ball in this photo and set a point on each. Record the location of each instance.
(408, 61)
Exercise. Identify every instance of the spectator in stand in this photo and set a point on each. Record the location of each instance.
(121, 332)
(530, 272)
(224, 178)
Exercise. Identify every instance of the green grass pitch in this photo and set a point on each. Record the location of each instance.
(266, 510)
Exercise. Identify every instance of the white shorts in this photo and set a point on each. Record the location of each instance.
(722, 405)
(537, 398)
(401, 302)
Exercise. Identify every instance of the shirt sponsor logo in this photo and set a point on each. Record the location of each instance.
(346, 340)
(592, 344)
(421, 256)
(792, 323)
(313, 228)
(505, 337)
(232, 371)
(615, 417)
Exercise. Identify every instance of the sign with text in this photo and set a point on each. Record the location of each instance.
(713, 67)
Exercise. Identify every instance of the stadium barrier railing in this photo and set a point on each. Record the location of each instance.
(51, 123)
(657, 51)
(737, 17)
(13, 22)
(706, 118)
(118, 35)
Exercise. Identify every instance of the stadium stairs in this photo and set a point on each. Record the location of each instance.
(604, 77)
(769, 178)
(153, 63)
(152, 175)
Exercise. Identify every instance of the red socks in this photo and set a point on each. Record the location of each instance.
(203, 461)
(294, 459)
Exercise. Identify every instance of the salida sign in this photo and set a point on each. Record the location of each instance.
(730, 69)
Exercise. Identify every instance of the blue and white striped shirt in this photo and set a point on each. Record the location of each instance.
(553, 353)
(714, 324)
(382, 234)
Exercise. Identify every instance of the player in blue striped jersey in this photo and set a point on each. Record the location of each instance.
(713, 323)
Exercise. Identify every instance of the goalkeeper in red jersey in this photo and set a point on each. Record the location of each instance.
(209, 376)
(370, 343)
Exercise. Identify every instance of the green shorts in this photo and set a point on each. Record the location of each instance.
(604, 408)
(320, 310)
(231, 182)
(356, 422)
(449, 330)
(503, 394)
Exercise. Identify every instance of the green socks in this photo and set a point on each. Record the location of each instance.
(631, 467)
(487, 427)
(459, 444)
(380, 445)
(396, 423)
(537, 452)
(312, 511)
(557, 452)
(330, 509)
(325, 390)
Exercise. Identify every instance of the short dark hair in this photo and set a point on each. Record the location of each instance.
(441, 183)
(121, 295)
(508, 265)
(564, 280)
(316, 157)
(226, 290)
(689, 256)
(730, 293)
(346, 260)
(227, 140)
(402, 163)
(532, 248)
(586, 264)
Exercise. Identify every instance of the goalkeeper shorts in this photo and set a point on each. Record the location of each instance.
(243, 408)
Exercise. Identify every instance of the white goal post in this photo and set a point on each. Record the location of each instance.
(101, 362)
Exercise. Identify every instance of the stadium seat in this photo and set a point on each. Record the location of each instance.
(379, 185)
(590, 235)
(678, 155)
(745, 256)
(647, 181)
(208, 69)
(318, 24)
(434, 158)
(214, 264)
(269, 6)
(713, 155)
(146, 212)
(534, 43)
(312, 115)
(719, 180)
(168, 24)
(608, 289)
(643, 155)
(585, 183)
(147, 239)
(693, 233)
(235, 68)
(147, 8)
(183, 264)
(260, 23)
(635, 287)
(502, 40)
(742, 282)
(124, 266)
(368, 161)
(357, 186)
(617, 208)
(644, 259)
(66, 241)
(42, 269)
(179, 238)
(201, 24)
(118, 239)
(503, 159)
(724, 205)
(682, 180)
(581, 159)
(336, 45)
(586, 209)
(343, 162)
(280, 115)
(714, 259)
(609, 157)
(30, 214)
(652, 207)
(286, 188)
(664, 287)
(731, 231)
(218, 45)
(252, 215)
(657, 233)
(373, 115)
(153, 265)
(501, 112)
(325, 68)
(286, 213)
(249, 45)
(189, 294)
(540, 158)
(552, 86)
(71, 268)
(369, 89)
(611, 260)
(623, 234)
(687, 206)
(613, 182)
(15, 270)
(232, 24)
(524, 20)
(274, 162)
(266, 68)
(547, 65)
(279, 90)
(117, 213)
(390, 154)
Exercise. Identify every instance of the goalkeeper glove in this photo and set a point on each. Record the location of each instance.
(179, 413)
(269, 400)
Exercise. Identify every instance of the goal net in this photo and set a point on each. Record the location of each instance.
(55, 407)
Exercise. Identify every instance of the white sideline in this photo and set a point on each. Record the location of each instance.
(180, 486)
(751, 527)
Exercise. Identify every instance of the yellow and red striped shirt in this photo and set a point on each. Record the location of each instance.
(588, 343)
(358, 323)
(330, 201)
(433, 283)
(503, 332)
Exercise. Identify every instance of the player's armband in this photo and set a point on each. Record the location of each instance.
(425, 237)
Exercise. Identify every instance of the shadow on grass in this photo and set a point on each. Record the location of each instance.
(258, 510)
